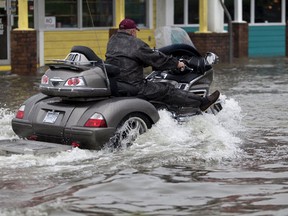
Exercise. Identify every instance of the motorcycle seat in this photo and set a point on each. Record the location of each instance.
(126, 89)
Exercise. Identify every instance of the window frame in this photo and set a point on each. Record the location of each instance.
(186, 16)
(149, 15)
(41, 10)
(252, 15)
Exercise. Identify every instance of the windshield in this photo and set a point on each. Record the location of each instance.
(168, 35)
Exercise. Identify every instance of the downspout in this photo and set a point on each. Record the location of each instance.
(230, 31)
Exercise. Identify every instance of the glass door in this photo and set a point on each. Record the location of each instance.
(4, 34)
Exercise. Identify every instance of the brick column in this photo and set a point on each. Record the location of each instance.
(24, 52)
(240, 39)
(217, 43)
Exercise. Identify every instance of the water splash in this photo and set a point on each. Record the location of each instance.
(204, 138)
(6, 131)
(201, 141)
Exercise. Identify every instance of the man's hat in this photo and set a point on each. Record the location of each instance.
(128, 24)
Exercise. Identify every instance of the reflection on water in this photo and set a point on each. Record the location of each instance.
(15, 89)
(230, 164)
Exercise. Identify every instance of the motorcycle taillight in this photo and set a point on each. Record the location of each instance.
(96, 120)
(45, 79)
(75, 81)
(20, 113)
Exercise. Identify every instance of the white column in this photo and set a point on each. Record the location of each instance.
(165, 13)
(238, 11)
(150, 14)
(252, 12)
(39, 6)
(215, 16)
(283, 18)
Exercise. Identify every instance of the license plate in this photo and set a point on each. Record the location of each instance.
(51, 117)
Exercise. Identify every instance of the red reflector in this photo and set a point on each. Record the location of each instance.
(75, 144)
(95, 123)
(32, 137)
(96, 120)
(20, 114)
(70, 82)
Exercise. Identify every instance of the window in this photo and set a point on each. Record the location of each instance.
(193, 12)
(229, 4)
(179, 12)
(138, 11)
(286, 20)
(267, 11)
(186, 12)
(92, 13)
(246, 11)
(68, 13)
(97, 13)
(61, 13)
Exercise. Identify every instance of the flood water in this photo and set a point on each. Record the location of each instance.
(234, 163)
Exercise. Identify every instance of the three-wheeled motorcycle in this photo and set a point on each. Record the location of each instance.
(81, 104)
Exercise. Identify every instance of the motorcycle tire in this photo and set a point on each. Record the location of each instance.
(129, 129)
(89, 53)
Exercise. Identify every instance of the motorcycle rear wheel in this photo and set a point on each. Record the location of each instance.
(129, 129)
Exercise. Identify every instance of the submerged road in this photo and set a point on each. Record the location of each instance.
(234, 163)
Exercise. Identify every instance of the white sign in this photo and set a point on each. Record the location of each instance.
(50, 22)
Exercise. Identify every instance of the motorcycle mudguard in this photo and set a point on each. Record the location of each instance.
(116, 108)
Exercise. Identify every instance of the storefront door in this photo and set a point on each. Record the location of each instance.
(4, 34)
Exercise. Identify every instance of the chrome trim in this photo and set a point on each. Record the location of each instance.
(56, 80)
(71, 89)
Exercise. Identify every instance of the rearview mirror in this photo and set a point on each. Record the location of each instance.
(211, 58)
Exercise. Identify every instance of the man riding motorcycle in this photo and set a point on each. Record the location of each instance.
(131, 55)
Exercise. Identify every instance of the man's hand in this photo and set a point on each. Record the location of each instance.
(181, 66)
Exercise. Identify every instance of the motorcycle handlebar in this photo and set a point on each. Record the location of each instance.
(186, 68)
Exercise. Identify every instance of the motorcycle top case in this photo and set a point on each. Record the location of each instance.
(72, 81)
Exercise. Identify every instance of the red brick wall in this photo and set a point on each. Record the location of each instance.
(24, 52)
(217, 43)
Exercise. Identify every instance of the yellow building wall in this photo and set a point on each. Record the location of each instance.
(57, 44)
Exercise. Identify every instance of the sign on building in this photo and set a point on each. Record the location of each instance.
(50, 22)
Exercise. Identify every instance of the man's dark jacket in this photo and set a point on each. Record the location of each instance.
(131, 55)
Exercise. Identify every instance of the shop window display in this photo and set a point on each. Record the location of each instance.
(97, 13)
(138, 11)
(186, 12)
(60, 14)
